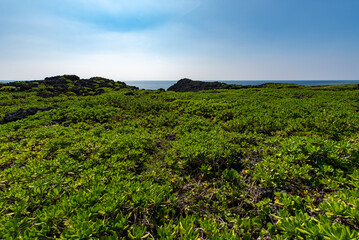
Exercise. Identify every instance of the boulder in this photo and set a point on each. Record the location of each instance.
(22, 113)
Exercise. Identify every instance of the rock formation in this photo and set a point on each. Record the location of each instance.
(66, 84)
(188, 85)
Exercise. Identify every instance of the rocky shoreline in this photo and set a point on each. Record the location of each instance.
(74, 85)
(65, 84)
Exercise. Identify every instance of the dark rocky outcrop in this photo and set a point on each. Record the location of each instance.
(300, 96)
(61, 79)
(269, 192)
(22, 113)
(188, 85)
(66, 84)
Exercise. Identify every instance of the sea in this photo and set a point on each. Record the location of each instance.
(154, 85)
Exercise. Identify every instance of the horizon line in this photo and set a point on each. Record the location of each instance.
(163, 80)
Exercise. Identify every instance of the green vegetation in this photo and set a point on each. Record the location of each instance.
(276, 162)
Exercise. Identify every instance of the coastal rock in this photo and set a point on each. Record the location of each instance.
(22, 113)
(61, 79)
(269, 192)
(65, 84)
(188, 85)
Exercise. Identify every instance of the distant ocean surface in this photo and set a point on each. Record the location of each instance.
(153, 85)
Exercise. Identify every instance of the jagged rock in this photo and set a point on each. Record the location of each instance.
(22, 113)
(188, 85)
(66, 84)
(269, 192)
(62, 78)
(253, 161)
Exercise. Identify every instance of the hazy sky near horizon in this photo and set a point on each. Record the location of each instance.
(172, 39)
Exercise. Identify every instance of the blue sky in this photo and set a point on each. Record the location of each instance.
(172, 39)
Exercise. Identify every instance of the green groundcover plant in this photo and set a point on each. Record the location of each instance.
(277, 162)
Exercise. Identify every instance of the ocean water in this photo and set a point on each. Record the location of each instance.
(153, 85)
